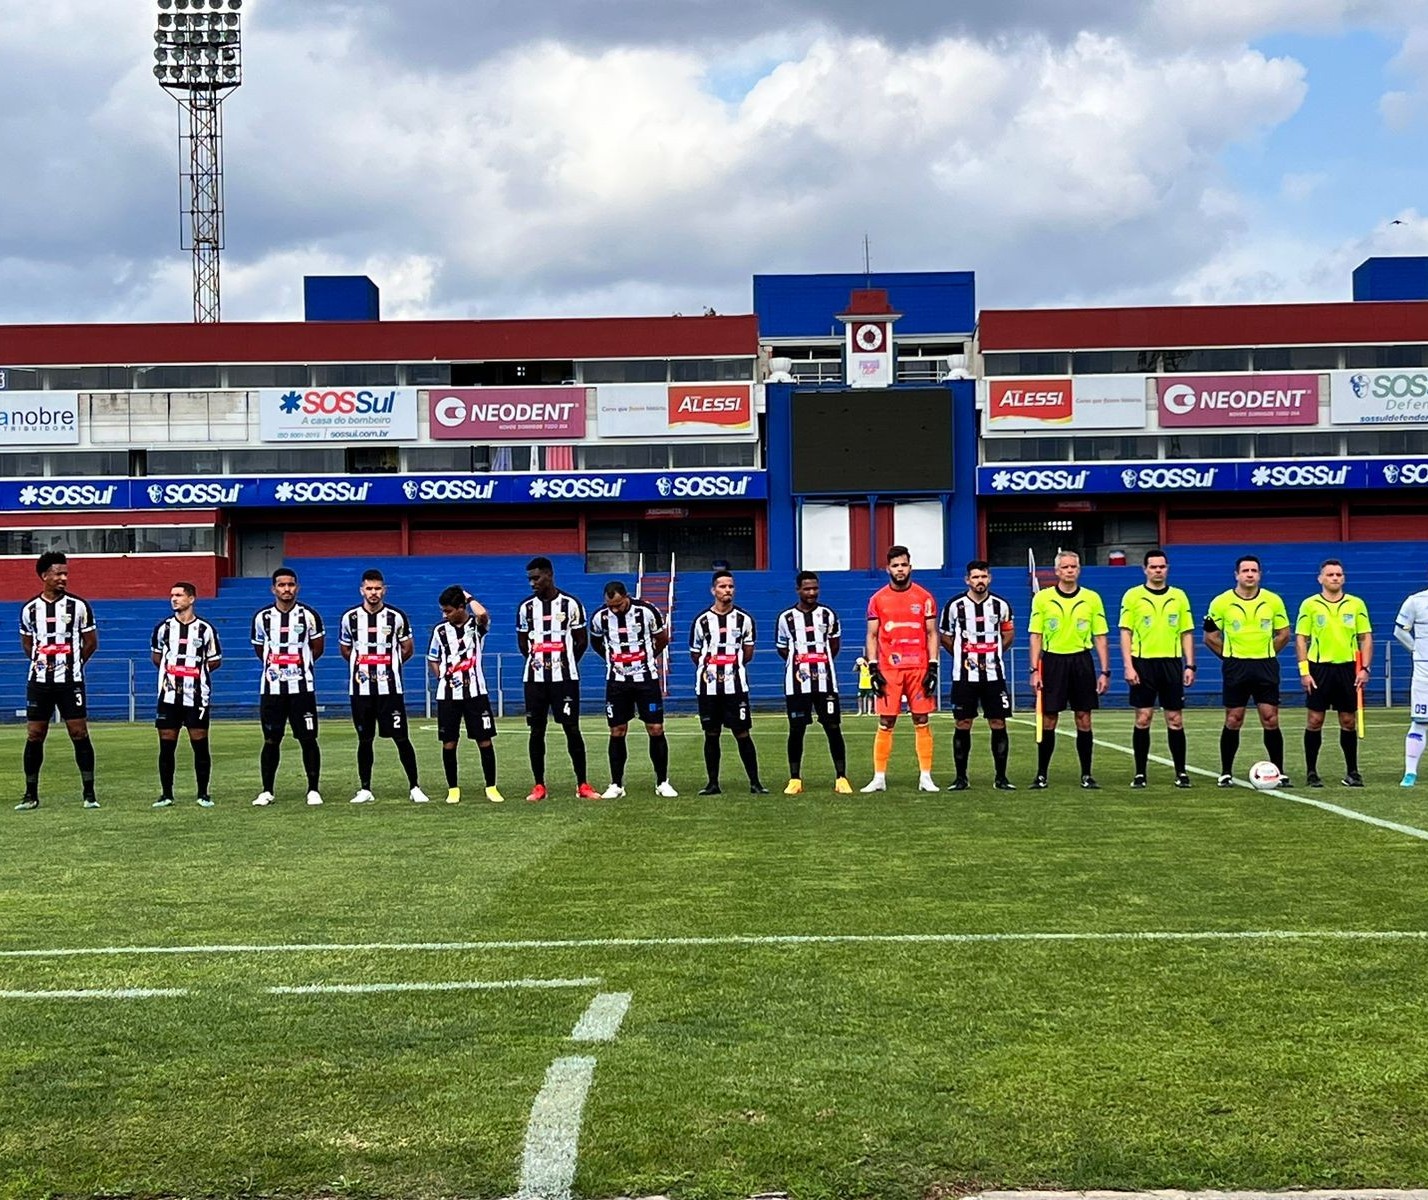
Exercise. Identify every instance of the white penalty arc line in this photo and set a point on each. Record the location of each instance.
(468, 985)
(1338, 810)
(752, 940)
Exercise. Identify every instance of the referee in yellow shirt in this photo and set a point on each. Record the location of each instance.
(1066, 621)
(1158, 651)
(1331, 635)
(1246, 627)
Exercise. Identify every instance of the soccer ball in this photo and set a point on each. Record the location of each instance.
(1264, 775)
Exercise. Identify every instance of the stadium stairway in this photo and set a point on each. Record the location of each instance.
(1381, 572)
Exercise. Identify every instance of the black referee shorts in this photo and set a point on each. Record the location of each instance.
(1068, 681)
(1251, 679)
(1162, 682)
(1333, 688)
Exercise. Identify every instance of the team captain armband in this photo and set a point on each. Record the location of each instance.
(1008, 625)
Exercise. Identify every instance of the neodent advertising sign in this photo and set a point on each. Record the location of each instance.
(516, 414)
(1237, 401)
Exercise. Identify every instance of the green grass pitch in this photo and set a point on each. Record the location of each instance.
(896, 995)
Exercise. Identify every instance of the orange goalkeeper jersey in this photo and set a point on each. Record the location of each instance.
(902, 625)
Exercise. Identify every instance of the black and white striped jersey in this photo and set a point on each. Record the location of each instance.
(550, 626)
(456, 651)
(286, 639)
(188, 652)
(806, 637)
(374, 667)
(629, 639)
(56, 629)
(977, 628)
(718, 639)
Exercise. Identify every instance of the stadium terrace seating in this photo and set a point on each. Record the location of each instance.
(1381, 572)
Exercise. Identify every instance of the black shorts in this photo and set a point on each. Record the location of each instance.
(1334, 688)
(625, 701)
(474, 712)
(1068, 681)
(821, 706)
(384, 715)
(725, 712)
(560, 701)
(181, 716)
(276, 713)
(42, 699)
(993, 698)
(1249, 679)
(1162, 682)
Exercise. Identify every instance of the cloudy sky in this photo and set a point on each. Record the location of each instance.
(484, 158)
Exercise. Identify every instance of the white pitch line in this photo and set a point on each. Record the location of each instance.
(773, 939)
(601, 1021)
(553, 1133)
(95, 994)
(1338, 810)
(468, 985)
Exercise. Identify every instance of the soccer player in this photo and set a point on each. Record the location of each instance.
(1333, 641)
(976, 629)
(1246, 627)
(1066, 622)
(902, 651)
(865, 687)
(1158, 653)
(630, 635)
(461, 696)
(186, 650)
(288, 639)
(808, 638)
(721, 644)
(1410, 628)
(58, 636)
(551, 634)
(376, 639)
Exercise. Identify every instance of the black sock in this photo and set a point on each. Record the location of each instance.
(1140, 749)
(1085, 747)
(659, 756)
(365, 755)
(711, 758)
(575, 743)
(1313, 740)
(1274, 747)
(1175, 739)
(537, 753)
(406, 755)
(961, 750)
(34, 759)
(448, 764)
(1229, 747)
(837, 750)
(796, 731)
(749, 756)
(1044, 752)
(619, 756)
(488, 763)
(168, 752)
(1349, 744)
(1001, 749)
(202, 764)
(311, 762)
(84, 760)
(268, 764)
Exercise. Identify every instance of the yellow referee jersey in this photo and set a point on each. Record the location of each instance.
(1247, 625)
(1332, 627)
(1067, 624)
(1157, 620)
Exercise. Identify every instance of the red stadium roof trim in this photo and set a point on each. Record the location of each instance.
(1205, 325)
(378, 341)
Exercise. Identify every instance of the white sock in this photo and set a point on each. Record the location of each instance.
(1412, 750)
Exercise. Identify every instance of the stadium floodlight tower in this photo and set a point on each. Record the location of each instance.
(198, 60)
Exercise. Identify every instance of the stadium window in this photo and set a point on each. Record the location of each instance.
(1386, 356)
(1095, 449)
(428, 374)
(1114, 362)
(1297, 358)
(1212, 445)
(712, 454)
(1296, 445)
(420, 459)
(65, 463)
(1027, 363)
(373, 460)
(271, 461)
(624, 370)
(1025, 449)
(710, 370)
(84, 379)
(1229, 358)
(512, 374)
(623, 458)
(19, 379)
(370, 375)
(23, 464)
(185, 462)
(175, 539)
(1386, 441)
(263, 375)
(174, 379)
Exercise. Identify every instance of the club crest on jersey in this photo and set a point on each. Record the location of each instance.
(895, 659)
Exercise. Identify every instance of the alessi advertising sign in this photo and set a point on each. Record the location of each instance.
(729, 404)
(1044, 401)
(1236, 401)
(1081, 402)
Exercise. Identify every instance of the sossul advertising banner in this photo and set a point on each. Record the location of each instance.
(1378, 397)
(1082, 402)
(517, 414)
(337, 414)
(1306, 474)
(1237, 401)
(702, 410)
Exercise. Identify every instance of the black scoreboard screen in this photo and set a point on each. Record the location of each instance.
(873, 440)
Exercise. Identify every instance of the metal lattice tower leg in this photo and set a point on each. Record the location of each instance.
(201, 166)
